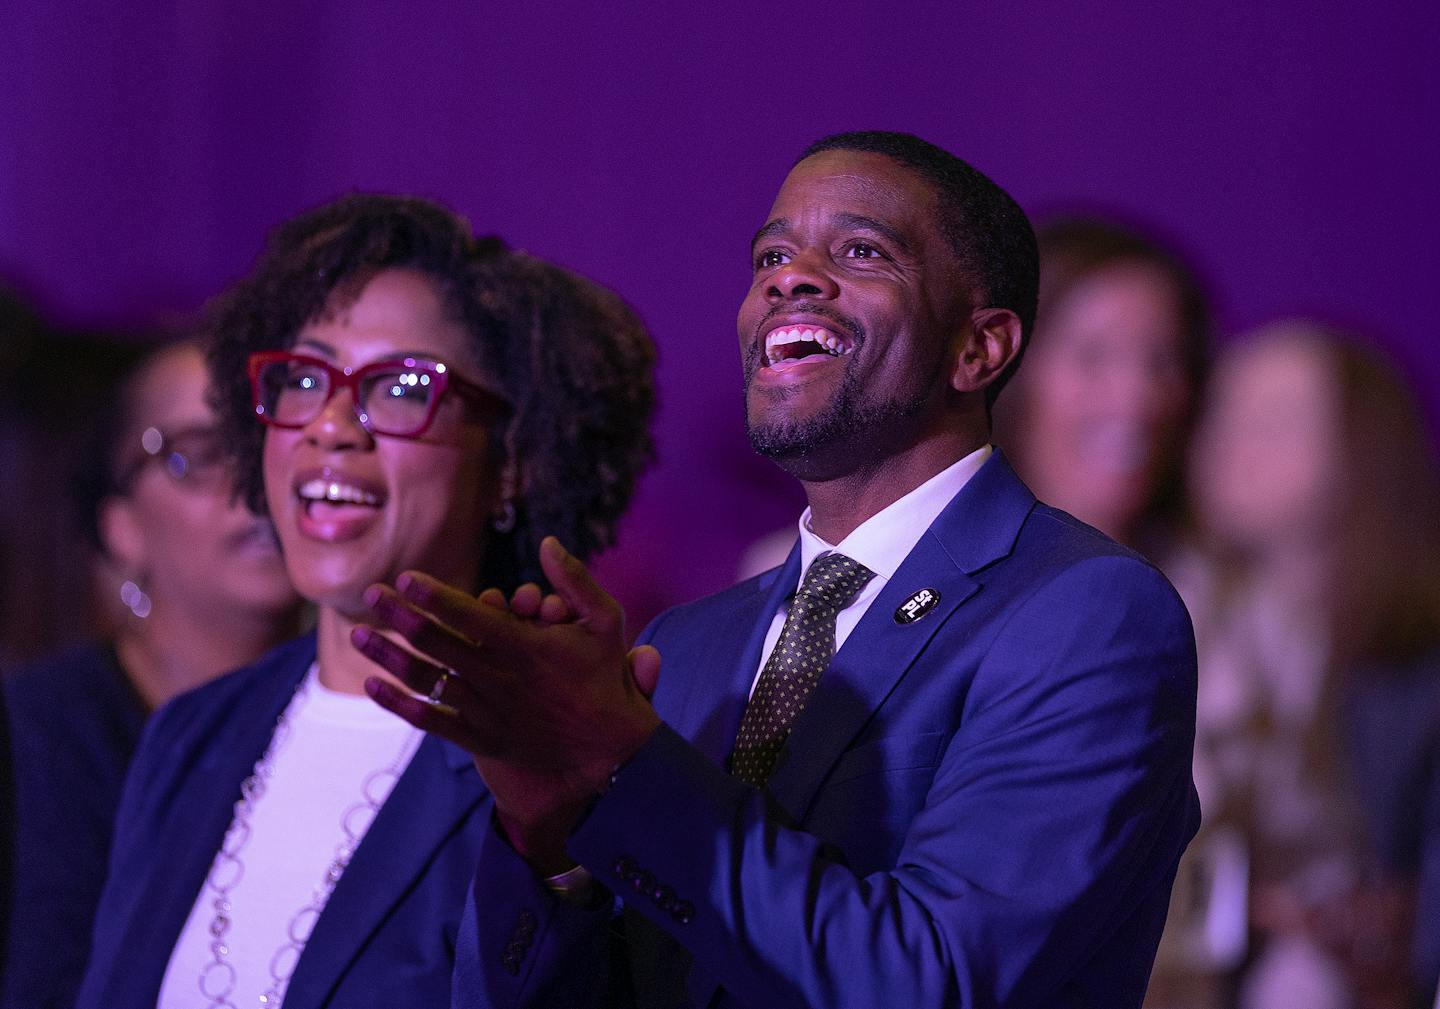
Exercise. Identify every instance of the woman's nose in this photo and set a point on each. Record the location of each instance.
(337, 425)
(805, 276)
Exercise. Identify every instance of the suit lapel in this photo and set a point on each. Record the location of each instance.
(437, 793)
(875, 657)
(706, 704)
(978, 527)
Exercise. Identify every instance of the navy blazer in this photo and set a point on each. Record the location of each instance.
(75, 722)
(982, 807)
(387, 936)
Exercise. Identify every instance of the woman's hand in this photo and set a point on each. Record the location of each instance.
(540, 690)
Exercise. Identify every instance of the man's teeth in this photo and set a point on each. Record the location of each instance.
(339, 493)
(804, 334)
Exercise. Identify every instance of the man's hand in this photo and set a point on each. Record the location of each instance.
(543, 693)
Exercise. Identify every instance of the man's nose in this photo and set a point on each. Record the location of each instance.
(338, 425)
(805, 276)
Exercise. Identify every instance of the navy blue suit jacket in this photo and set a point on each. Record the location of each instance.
(387, 936)
(983, 807)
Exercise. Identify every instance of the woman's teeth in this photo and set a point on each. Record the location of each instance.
(335, 492)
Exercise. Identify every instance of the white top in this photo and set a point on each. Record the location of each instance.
(880, 543)
(335, 743)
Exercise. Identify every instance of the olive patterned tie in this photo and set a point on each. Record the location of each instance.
(804, 649)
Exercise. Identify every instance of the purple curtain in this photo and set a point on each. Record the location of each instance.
(1291, 148)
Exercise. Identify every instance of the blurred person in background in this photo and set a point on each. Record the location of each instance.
(199, 589)
(1097, 420)
(1316, 597)
(429, 400)
(53, 383)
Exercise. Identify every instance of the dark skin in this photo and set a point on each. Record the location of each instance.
(545, 695)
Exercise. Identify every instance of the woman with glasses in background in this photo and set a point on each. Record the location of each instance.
(396, 394)
(199, 589)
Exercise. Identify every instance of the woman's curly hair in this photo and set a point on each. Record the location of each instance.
(571, 356)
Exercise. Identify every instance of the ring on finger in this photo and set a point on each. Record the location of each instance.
(437, 689)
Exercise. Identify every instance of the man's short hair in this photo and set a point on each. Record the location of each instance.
(988, 232)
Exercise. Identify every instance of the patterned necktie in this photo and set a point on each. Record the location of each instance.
(805, 647)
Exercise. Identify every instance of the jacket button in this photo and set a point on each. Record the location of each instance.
(664, 897)
(643, 882)
(624, 866)
(512, 964)
(683, 912)
(525, 927)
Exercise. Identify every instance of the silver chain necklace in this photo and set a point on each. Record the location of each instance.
(219, 978)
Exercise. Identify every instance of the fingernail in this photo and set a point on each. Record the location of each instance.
(404, 583)
(360, 636)
(372, 596)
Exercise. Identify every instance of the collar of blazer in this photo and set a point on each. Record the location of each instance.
(213, 752)
(978, 528)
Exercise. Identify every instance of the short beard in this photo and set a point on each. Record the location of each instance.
(847, 426)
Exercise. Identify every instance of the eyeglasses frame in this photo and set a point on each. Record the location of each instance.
(445, 378)
(158, 446)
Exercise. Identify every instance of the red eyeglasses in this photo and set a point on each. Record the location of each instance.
(397, 398)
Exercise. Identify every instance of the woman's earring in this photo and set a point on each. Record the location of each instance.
(504, 520)
(134, 597)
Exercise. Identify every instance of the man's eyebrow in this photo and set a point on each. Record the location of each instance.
(770, 229)
(848, 222)
(859, 222)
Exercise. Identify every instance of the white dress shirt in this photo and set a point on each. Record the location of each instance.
(880, 543)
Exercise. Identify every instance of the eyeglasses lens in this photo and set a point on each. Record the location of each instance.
(394, 401)
(398, 402)
(293, 392)
(196, 457)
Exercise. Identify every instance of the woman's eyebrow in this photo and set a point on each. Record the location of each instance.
(310, 343)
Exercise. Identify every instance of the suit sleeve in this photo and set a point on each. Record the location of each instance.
(520, 945)
(1060, 807)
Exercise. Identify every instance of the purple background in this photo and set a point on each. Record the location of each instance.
(1290, 148)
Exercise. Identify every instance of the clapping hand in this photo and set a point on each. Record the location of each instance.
(539, 689)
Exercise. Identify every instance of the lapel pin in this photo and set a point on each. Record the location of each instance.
(917, 606)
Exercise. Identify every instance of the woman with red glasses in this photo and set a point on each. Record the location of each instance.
(396, 394)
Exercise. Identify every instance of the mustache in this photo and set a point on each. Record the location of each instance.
(819, 310)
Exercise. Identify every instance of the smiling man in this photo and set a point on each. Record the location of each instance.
(940, 757)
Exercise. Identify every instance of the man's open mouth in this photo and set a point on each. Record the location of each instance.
(788, 345)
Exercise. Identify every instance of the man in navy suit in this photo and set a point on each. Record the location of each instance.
(941, 757)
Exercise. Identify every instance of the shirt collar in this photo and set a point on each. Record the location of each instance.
(883, 540)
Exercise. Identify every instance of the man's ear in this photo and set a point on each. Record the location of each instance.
(990, 345)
